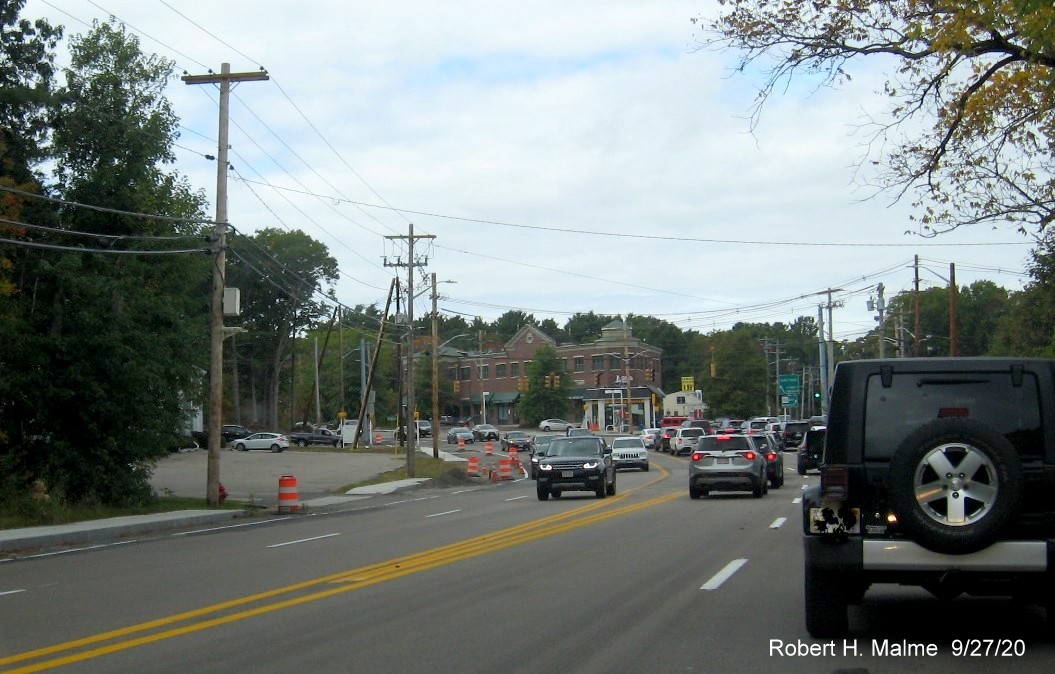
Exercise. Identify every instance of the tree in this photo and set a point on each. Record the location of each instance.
(547, 395)
(110, 355)
(739, 386)
(279, 273)
(1027, 328)
(971, 122)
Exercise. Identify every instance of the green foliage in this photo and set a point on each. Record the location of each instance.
(970, 119)
(105, 353)
(739, 389)
(541, 401)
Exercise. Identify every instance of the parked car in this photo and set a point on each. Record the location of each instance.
(276, 442)
(484, 432)
(576, 464)
(555, 425)
(234, 431)
(769, 444)
(651, 437)
(727, 463)
(630, 452)
(684, 440)
(315, 436)
(811, 449)
(458, 433)
(518, 439)
(937, 473)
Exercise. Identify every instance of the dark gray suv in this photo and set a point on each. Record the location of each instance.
(938, 473)
(581, 463)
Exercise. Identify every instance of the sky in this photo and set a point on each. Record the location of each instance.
(560, 157)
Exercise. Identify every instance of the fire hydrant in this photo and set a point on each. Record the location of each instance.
(223, 494)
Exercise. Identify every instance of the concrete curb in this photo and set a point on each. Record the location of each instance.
(95, 531)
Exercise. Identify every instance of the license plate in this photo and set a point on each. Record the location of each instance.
(723, 460)
(567, 473)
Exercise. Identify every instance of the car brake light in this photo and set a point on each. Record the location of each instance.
(696, 456)
(772, 456)
(750, 456)
(835, 482)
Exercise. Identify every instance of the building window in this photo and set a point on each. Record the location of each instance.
(464, 374)
(452, 373)
(597, 362)
(514, 369)
(485, 372)
(580, 364)
(563, 364)
(500, 370)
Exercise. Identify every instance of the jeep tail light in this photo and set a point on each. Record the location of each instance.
(946, 412)
(835, 482)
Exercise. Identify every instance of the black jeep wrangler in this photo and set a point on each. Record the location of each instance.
(937, 473)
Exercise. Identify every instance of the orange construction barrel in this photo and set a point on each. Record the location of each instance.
(287, 494)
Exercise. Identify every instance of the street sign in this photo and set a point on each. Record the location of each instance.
(790, 383)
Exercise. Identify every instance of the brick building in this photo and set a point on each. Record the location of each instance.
(598, 374)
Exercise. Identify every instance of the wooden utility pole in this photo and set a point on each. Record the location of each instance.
(954, 295)
(224, 79)
(435, 371)
(410, 264)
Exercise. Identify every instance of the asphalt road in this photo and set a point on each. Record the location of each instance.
(483, 578)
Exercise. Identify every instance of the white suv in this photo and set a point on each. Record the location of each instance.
(684, 441)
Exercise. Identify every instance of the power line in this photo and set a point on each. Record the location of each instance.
(103, 209)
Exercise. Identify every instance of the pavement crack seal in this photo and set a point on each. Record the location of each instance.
(334, 584)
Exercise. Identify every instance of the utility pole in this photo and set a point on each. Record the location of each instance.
(880, 306)
(435, 372)
(823, 358)
(219, 271)
(410, 265)
(915, 309)
(954, 294)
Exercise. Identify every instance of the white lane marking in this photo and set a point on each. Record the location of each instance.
(717, 579)
(303, 540)
(515, 498)
(463, 491)
(778, 522)
(11, 592)
(88, 547)
(230, 526)
(449, 512)
(804, 487)
(797, 500)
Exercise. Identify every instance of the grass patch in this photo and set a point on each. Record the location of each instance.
(42, 514)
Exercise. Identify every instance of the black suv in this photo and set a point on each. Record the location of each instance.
(938, 473)
(810, 449)
(580, 463)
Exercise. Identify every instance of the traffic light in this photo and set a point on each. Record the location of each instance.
(457, 386)
(596, 378)
(651, 374)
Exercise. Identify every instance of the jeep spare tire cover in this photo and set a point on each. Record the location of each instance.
(955, 484)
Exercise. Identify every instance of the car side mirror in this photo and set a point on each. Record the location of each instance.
(607, 451)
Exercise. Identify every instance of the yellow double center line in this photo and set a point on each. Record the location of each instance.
(328, 586)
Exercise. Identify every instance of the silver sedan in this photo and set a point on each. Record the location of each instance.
(548, 425)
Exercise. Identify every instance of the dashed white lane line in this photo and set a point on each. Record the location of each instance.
(515, 498)
(11, 592)
(797, 500)
(717, 579)
(448, 512)
(778, 522)
(303, 540)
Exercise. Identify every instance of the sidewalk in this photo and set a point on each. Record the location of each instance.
(92, 532)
